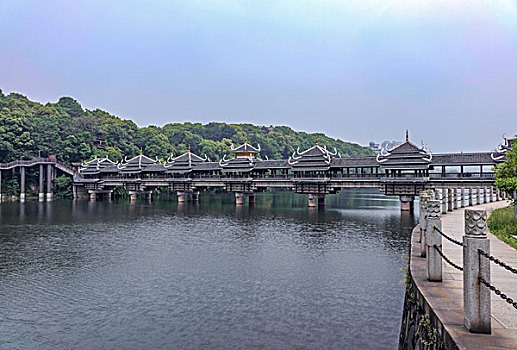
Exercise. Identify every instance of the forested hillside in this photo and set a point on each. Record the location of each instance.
(74, 134)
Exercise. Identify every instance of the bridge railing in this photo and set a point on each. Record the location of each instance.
(475, 245)
(489, 175)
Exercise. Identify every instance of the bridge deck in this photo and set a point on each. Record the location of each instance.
(446, 298)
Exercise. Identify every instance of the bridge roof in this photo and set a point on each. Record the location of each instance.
(183, 163)
(239, 164)
(407, 155)
(272, 164)
(246, 148)
(463, 159)
(316, 158)
(350, 162)
(95, 165)
(137, 164)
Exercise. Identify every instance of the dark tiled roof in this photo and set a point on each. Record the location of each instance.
(94, 166)
(136, 164)
(246, 148)
(316, 158)
(407, 154)
(184, 163)
(483, 158)
(272, 164)
(352, 162)
(239, 164)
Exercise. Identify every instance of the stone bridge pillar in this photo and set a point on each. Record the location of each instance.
(449, 199)
(434, 260)
(406, 203)
(93, 195)
(133, 196)
(239, 198)
(22, 184)
(251, 199)
(181, 197)
(195, 196)
(49, 182)
(41, 190)
(312, 201)
(444, 200)
(476, 297)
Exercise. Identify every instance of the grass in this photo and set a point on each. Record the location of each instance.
(503, 224)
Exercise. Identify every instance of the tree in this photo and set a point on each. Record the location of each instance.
(506, 175)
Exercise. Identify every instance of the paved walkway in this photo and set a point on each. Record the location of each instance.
(446, 298)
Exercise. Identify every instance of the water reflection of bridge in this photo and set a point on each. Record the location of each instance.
(403, 171)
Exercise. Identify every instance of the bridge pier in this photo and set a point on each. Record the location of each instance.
(195, 196)
(148, 195)
(181, 197)
(133, 196)
(41, 192)
(251, 199)
(239, 198)
(315, 200)
(406, 203)
(49, 182)
(93, 195)
(22, 184)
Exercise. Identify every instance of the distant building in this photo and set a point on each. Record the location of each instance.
(377, 148)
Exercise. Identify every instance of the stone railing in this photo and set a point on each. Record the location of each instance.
(476, 260)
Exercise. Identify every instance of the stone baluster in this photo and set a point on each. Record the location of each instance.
(471, 196)
(484, 195)
(434, 260)
(454, 198)
(444, 200)
(462, 197)
(423, 227)
(450, 199)
(476, 297)
(478, 195)
(422, 195)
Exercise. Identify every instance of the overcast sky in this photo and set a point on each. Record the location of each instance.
(357, 70)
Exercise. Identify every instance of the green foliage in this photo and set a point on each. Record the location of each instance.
(503, 224)
(506, 173)
(73, 134)
(63, 186)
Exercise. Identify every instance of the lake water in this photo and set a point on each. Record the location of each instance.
(100, 275)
